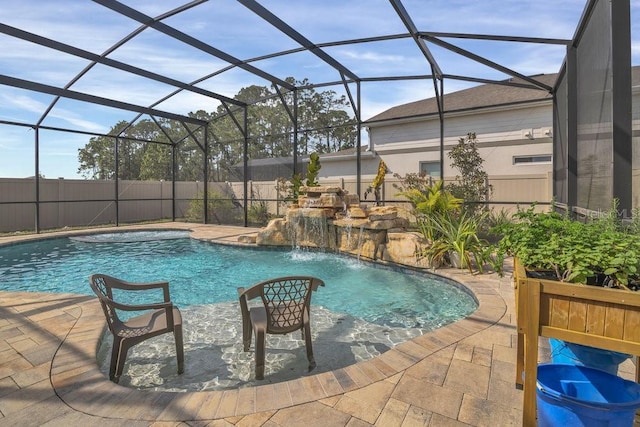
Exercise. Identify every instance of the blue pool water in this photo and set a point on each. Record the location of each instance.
(204, 273)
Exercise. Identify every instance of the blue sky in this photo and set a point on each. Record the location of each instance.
(231, 27)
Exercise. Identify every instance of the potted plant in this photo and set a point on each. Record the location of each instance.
(291, 187)
(552, 247)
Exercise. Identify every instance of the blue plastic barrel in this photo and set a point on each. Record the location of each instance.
(576, 354)
(572, 395)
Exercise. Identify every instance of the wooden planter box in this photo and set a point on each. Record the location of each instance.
(589, 315)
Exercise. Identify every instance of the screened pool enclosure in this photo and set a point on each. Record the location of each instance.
(216, 104)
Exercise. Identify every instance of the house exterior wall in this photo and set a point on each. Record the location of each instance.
(502, 134)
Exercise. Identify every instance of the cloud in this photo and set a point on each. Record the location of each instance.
(372, 56)
(24, 103)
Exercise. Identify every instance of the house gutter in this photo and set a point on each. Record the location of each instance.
(457, 113)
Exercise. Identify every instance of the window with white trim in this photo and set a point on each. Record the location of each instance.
(431, 169)
(532, 160)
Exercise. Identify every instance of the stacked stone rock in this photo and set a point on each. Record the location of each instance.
(330, 218)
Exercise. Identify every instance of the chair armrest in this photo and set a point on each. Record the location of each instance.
(315, 283)
(114, 283)
(140, 307)
(244, 295)
(133, 286)
(250, 293)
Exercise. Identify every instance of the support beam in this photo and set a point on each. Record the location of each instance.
(621, 108)
(93, 99)
(484, 61)
(536, 40)
(95, 58)
(191, 41)
(408, 22)
(285, 28)
(245, 167)
(37, 176)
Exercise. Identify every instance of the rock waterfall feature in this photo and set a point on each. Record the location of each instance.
(329, 218)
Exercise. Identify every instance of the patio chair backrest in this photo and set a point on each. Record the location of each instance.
(287, 301)
(101, 287)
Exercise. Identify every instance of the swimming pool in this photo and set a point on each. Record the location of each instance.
(363, 310)
(203, 273)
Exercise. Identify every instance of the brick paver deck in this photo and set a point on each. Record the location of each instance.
(461, 374)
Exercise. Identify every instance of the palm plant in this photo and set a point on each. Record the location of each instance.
(429, 203)
(457, 237)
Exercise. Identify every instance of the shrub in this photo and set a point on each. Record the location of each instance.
(220, 207)
(258, 212)
(471, 184)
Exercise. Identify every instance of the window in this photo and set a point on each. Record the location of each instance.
(529, 160)
(431, 169)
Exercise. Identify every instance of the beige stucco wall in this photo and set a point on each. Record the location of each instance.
(501, 134)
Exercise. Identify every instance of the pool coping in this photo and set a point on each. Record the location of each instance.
(79, 383)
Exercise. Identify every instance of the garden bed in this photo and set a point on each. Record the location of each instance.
(588, 315)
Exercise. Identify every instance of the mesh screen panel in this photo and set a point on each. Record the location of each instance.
(594, 111)
(560, 154)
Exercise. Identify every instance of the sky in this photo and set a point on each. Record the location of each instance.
(231, 27)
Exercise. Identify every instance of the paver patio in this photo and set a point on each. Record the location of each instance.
(461, 374)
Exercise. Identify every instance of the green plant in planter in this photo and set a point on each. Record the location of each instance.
(292, 186)
(289, 189)
(574, 251)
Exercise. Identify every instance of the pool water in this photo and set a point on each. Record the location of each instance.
(204, 273)
(363, 311)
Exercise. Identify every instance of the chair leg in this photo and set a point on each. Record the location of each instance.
(123, 349)
(246, 333)
(307, 342)
(260, 344)
(177, 333)
(115, 354)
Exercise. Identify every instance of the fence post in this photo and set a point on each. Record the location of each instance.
(277, 197)
(487, 192)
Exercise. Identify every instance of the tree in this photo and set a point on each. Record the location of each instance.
(471, 184)
(322, 118)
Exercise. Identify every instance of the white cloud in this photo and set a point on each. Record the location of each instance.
(22, 102)
(372, 57)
